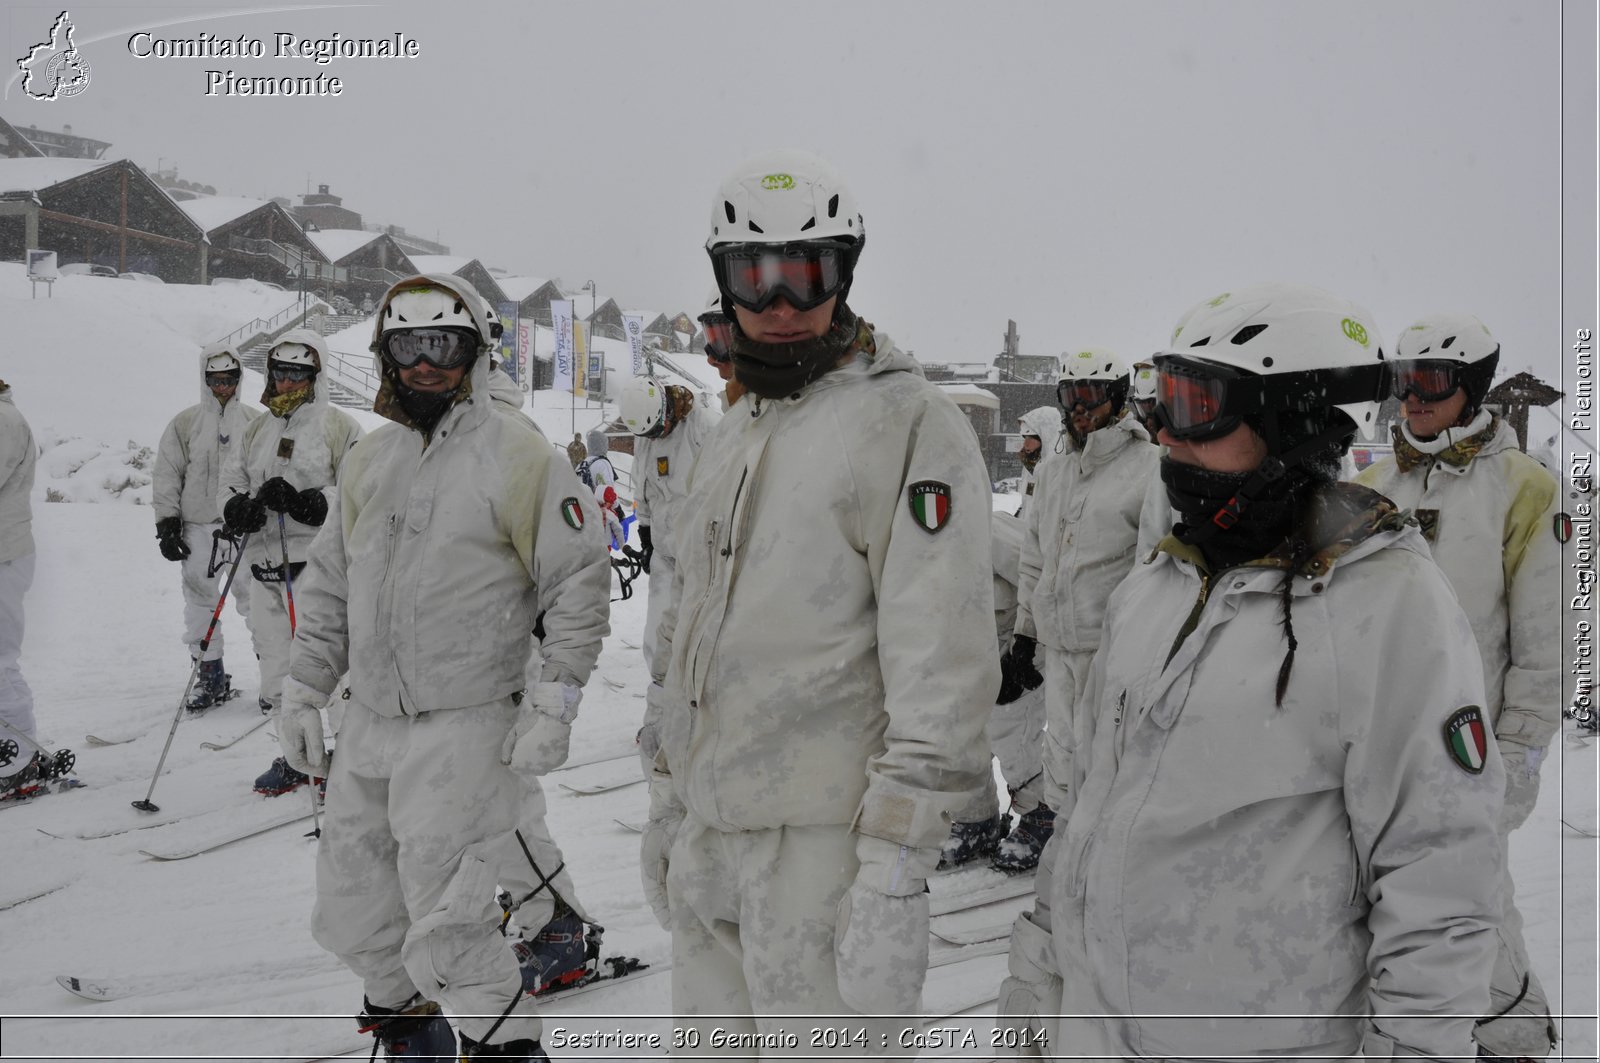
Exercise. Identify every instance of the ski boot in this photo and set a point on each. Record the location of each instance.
(524, 1051)
(1020, 849)
(34, 771)
(265, 706)
(558, 955)
(279, 779)
(971, 840)
(416, 1030)
(211, 687)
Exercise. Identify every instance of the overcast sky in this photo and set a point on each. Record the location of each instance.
(1089, 169)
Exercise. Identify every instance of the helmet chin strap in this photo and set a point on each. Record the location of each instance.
(1260, 482)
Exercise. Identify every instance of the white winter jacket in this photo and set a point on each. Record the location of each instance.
(1044, 422)
(831, 633)
(427, 579)
(18, 453)
(1496, 543)
(1081, 532)
(192, 452)
(306, 448)
(661, 476)
(1323, 859)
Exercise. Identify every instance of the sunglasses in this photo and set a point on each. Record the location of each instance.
(719, 339)
(807, 274)
(1428, 380)
(226, 379)
(296, 373)
(442, 348)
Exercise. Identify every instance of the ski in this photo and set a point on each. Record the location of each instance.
(1581, 739)
(637, 828)
(114, 739)
(14, 896)
(614, 684)
(971, 951)
(975, 936)
(23, 794)
(1579, 830)
(590, 789)
(101, 991)
(247, 732)
(279, 816)
(1002, 889)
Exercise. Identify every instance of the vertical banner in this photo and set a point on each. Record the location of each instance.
(580, 358)
(508, 339)
(633, 325)
(561, 320)
(525, 334)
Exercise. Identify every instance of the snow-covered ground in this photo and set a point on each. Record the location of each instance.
(215, 951)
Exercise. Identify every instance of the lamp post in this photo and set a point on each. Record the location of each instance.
(588, 338)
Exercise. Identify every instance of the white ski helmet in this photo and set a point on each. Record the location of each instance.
(1467, 352)
(1091, 363)
(297, 347)
(1143, 388)
(223, 361)
(713, 307)
(643, 406)
(1311, 350)
(779, 197)
(434, 300)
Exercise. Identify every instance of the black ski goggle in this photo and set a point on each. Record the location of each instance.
(1085, 393)
(719, 339)
(228, 378)
(442, 348)
(287, 371)
(1427, 379)
(807, 273)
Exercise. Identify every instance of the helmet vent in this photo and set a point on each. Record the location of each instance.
(812, 224)
(1248, 333)
(727, 209)
(833, 206)
(1445, 346)
(755, 228)
(1201, 342)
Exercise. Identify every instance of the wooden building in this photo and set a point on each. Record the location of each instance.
(259, 239)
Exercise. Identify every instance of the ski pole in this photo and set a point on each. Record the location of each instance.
(216, 614)
(288, 592)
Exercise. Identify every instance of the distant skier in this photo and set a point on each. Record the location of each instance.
(18, 452)
(831, 639)
(669, 429)
(1077, 546)
(596, 470)
(457, 526)
(286, 463)
(187, 468)
(1486, 510)
(1285, 841)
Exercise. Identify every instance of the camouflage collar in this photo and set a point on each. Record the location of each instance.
(284, 405)
(1459, 454)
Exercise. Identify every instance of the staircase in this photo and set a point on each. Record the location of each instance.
(348, 385)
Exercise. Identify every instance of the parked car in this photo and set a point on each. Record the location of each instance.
(148, 278)
(86, 269)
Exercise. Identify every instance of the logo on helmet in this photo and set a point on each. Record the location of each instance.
(1218, 301)
(1355, 330)
(775, 182)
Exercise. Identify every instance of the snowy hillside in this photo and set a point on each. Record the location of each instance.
(212, 956)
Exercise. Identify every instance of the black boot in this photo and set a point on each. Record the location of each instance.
(416, 1030)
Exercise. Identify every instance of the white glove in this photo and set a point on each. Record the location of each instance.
(660, 832)
(1032, 989)
(537, 743)
(880, 935)
(299, 719)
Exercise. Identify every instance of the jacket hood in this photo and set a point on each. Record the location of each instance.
(596, 443)
(319, 352)
(209, 352)
(1044, 422)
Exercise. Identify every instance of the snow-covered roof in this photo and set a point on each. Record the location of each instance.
(440, 263)
(971, 395)
(519, 288)
(30, 175)
(337, 243)
(215, 211)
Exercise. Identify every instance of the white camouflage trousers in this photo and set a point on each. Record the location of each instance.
(659, 594)
(200, 591)
(269, 627)
(420, 826)
(1069, 723)
(16, 697)
(753, 920)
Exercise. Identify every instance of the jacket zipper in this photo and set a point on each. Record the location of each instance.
(1193, 620)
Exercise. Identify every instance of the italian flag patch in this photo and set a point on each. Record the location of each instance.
(572, 513)
(930, 504)
(1467, 739)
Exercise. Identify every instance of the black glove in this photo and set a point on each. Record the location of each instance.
(1017, 671)
(644, 555)
(169, 531)
(243, 514)
(277, 494)
(309, 507)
